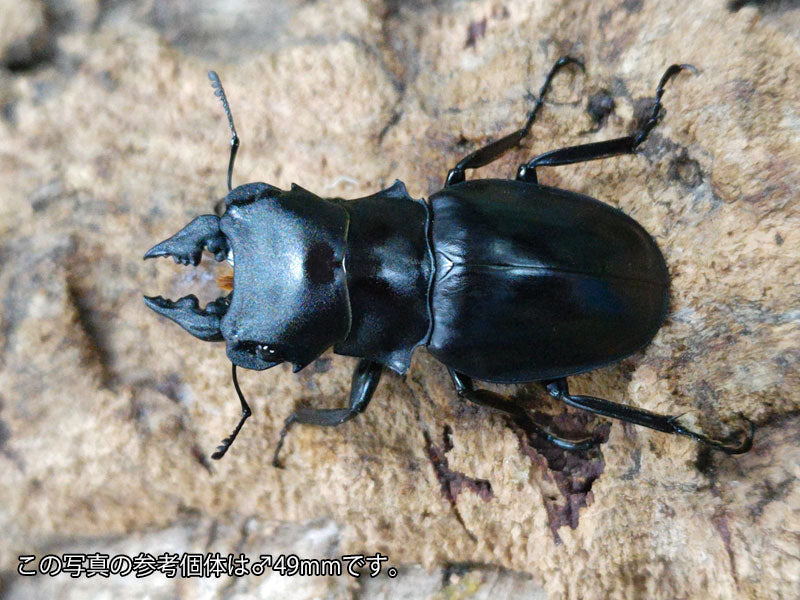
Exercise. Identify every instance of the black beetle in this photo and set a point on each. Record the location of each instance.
(505, 281)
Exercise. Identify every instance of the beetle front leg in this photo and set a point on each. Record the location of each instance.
(466, 389)
(366, 376)
(666, 423)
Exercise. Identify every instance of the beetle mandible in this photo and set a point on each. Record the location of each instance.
(504, 281)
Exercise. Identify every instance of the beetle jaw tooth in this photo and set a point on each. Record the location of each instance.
(187, 245)
(203, 323)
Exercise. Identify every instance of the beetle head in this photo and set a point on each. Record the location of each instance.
(289, 300)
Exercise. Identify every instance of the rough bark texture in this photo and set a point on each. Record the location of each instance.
(111, 140)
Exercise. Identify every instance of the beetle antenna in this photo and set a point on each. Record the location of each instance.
(220, 93)
(226, 443)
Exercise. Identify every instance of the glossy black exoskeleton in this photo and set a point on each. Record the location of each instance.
(504, 281)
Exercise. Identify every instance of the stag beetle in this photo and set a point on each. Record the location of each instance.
(504, 281)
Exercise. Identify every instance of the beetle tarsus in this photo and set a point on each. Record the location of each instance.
(494, 150)
(606, 149)
(666, 423)
(365, 379)
(738, 443)
(465, 389)
(246, 412)
(275, 457)
(671, 71)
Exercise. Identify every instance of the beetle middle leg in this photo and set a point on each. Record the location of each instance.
(366, 376)
(667, 423)
(466, 389)
(606, 149)
(494, 150)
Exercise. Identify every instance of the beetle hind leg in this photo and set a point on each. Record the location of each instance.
(738, 443)
(366, 376)
(605, 149)
(466, 390)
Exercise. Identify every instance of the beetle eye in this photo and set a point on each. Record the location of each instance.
(266, 352)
